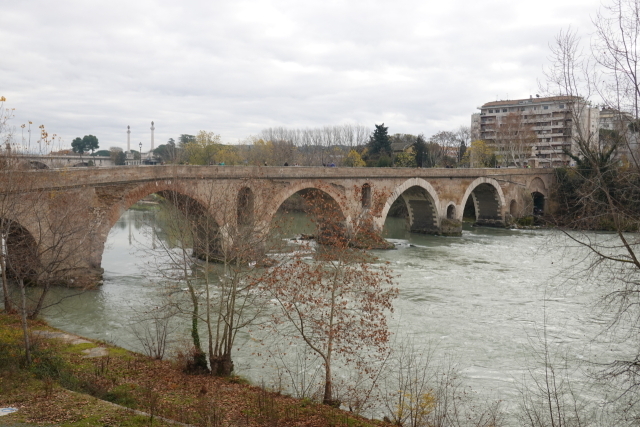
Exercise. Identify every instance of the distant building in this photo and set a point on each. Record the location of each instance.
(475, 127)
(536, 131)
(624, 124)
(401, 146)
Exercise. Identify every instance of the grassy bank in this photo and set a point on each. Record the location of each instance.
(78, 382)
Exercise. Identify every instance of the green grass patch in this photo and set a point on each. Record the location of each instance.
(122, 395)
(79, 348)
(120, 352)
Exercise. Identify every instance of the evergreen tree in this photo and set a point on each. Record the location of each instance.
(120, 158)
(420, 148)
(379, 142)
(186, 139)
(87, 143)
(77, 145)
(90, 143)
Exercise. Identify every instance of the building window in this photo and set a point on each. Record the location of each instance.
(546, 107)
(561, 105)
(504, 110)
(491, 111)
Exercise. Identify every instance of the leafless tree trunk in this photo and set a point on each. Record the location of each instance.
(220, 257)
(615, 49)
(315, 146)
(422, 390)
(549, 397)
(603, 191)
(336, 304)
(23, 319)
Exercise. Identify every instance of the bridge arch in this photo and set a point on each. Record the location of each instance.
(488, 199)
(451, 211)
(538, 202)
(537, 185)
(136, 194)
(22, 255)
(422, 203)
(37, 165)
(179, 191)
(538, 196)
(337, 196)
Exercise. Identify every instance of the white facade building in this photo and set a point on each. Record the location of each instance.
(551, 125)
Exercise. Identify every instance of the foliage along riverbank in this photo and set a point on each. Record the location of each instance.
(75, 382)
(607, 202)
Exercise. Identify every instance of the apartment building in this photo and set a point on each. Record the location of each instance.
(536, 131)
(623, 123)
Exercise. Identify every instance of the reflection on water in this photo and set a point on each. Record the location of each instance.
(478, 297)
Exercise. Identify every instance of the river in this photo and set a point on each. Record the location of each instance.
(480, 297)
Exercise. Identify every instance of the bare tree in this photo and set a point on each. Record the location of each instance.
(422, 390)
(175, 264)
(153, 330)
(42, 240)
(615, 49)
(514, 140)
(599, 193)
(48, 254)
(337, 303)
(317, 146)
(549, 395)
(220, 259)
(442, 149)
(464, 138)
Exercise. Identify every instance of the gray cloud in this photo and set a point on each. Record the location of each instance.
(237, 67)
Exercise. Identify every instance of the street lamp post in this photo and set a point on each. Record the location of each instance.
(140, 152)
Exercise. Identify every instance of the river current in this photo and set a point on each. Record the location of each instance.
(480, 298)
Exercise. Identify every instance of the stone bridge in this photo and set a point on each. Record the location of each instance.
(91, 200)
(52, 161)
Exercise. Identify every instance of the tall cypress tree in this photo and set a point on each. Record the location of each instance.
(420, 148)
(379, 142)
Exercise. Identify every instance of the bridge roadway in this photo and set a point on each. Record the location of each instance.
(87, 202)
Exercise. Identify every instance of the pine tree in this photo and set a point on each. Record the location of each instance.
(379, 142)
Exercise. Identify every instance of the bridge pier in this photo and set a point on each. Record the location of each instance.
(209, 245)
(83, 277)
(450, 227)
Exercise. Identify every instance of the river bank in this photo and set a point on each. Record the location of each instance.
(75, 381)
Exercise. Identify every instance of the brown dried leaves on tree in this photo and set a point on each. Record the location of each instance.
(335, 301)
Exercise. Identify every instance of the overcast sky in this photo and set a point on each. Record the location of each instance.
(237, 67)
